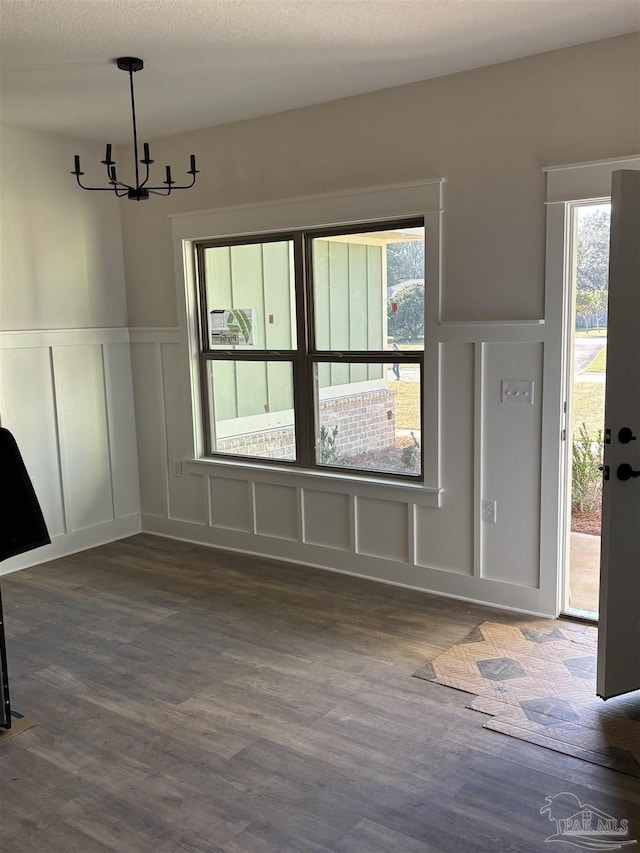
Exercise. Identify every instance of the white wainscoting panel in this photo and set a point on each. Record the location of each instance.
(27, 408)
(387, 533)
(66, 395)
(327, 519)
(231, 504)
(124, 455)
(445, 537)
(148, 386)
(382, 529)
(276, 509)
(187, 498)
(84, 435)
(512, 456)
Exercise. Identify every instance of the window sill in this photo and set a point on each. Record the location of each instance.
(374, 487)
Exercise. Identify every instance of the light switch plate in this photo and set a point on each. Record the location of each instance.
(517, 391)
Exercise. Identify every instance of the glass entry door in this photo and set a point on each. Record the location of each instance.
(587, 341)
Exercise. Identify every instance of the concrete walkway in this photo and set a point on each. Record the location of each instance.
(584, 572)
(586, 349)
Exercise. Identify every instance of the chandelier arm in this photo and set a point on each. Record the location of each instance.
(156, 191)
(115, 186)
(146, 178)
(175, 186)
(115, 183)
(95, 189)
(113, 178)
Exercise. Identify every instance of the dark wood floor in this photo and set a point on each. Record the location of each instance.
(190, 700)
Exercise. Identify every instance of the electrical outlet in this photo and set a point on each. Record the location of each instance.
(489, 511)
(177, 468)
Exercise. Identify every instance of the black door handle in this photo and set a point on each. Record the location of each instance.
(626, 472)
(625, 436)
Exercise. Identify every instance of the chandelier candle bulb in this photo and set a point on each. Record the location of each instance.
(168, 181)
(107, 157)
(146, 158)
(192, 170)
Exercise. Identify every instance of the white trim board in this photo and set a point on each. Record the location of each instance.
(366, 205)
(379, 571)
(362, 205)
(72, 543)
(582, 181)
(566, 185)
(62, 337)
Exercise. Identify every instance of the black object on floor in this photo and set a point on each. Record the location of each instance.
(22, 525)
(5, 704)
(22, 528)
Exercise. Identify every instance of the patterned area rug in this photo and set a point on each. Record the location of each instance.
(19, 724)
(537, 682)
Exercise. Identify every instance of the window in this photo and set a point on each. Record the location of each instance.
(312, 347)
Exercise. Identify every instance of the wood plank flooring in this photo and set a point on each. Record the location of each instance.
(190, 700)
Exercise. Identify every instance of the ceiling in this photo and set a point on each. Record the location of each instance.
(210, 62)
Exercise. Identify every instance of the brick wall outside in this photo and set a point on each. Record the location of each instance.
(365, 422)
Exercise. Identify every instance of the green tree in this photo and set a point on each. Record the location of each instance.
(407, 322)
(592, 303)
(585, 307)
(600, 298)
(405, 261)
(592, 264)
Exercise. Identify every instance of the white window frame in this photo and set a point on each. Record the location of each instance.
(423, 199)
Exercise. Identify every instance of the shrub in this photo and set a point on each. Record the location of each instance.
(410, 451)
(329, 453)
(586, 478)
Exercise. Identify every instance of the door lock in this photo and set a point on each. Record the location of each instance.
(605, 470)
(626, 472)
(625, 436)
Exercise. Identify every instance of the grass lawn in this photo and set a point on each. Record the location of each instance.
(592, 333)
(588, 406)
(599, 363)
(407, 404)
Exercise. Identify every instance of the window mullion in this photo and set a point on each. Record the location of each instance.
(302, 386)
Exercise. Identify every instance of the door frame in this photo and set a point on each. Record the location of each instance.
(567, 187)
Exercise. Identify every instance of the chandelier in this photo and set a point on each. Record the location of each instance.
(141, 190)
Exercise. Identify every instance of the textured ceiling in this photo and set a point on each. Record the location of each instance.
(210, 62)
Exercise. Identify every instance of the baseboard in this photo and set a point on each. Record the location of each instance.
(485, 593)
(71, 543)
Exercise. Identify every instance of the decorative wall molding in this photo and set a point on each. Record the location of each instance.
(62, 337)
(397, 534)
(151, 335)
(585, 181)
(67, 397)
(358, 205)
(421, 579)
